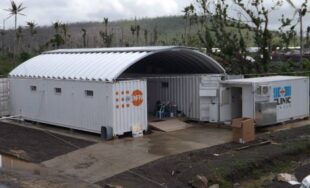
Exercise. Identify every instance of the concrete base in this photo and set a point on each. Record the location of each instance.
(105, 159)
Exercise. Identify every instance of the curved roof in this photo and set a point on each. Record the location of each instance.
(107, 64)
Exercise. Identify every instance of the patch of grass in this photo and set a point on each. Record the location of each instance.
(250, 165)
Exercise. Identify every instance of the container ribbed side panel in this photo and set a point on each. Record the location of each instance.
(72, 108)
(4, 97)
(180, 90)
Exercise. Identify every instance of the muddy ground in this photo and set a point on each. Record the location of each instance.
(20, 179)
(224, 164)
(35, 145)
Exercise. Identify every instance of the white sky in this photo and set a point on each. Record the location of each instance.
(45, 12)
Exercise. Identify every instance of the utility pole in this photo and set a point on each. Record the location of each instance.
(301, 39)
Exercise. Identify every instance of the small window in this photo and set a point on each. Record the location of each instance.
(89, 93)
(33, 88)
(57, 90)
(164, 85)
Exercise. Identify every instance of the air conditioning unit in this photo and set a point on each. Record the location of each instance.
(263, 90)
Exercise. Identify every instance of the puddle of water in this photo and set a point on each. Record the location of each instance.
(10, 163)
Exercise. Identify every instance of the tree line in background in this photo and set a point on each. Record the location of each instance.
(223, 29)
(227, 25)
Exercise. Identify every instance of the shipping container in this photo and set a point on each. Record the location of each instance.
(81, 105)
(4, 97)
(195, 96)
(268, 100)
(87, 89)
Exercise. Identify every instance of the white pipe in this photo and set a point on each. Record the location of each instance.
(12, 117)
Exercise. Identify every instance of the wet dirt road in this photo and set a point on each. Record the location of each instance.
(18, 173)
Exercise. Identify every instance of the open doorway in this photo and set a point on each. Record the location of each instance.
(172, 96)
(236, 102)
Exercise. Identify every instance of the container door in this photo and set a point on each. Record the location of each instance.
(130, 106)
(208, 105)
(204, 108)
(214, 110)
(225, 104)
(208, 93)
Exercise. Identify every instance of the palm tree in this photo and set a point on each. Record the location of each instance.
(301, 13)
(56, 27)
(15, 10)
(64, 28)
(57, 41)
(32, 30)
(84, 33)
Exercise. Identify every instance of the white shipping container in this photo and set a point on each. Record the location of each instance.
(4, 97)
(81, 105)
(268, 100)
(195, 95)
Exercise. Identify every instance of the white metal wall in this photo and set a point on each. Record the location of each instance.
(248, 108)
(299, 106)
(72, 108)
(4, 97)
(129, 105)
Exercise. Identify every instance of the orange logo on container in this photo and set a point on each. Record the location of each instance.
(137, 97)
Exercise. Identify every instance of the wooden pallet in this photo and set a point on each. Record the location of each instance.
(169, 125)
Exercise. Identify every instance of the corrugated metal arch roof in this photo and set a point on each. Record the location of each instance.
(107, 64)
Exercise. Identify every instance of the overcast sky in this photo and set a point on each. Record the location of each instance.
(44, 12)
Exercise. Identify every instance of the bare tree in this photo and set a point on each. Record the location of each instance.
(32, 31)
(308, 31)
(257, 20)
(301, 11)
(145, 31)
(19, 37)
(133, 31)
(190, 17)
(84, 33)
(64, 28)
(138, 28)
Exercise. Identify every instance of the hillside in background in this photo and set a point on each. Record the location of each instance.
(153, 31)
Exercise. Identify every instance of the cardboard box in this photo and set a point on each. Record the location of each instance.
(243, 130)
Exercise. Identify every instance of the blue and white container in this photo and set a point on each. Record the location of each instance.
(269, 100)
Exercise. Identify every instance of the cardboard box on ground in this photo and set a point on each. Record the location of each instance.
(243, 130)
